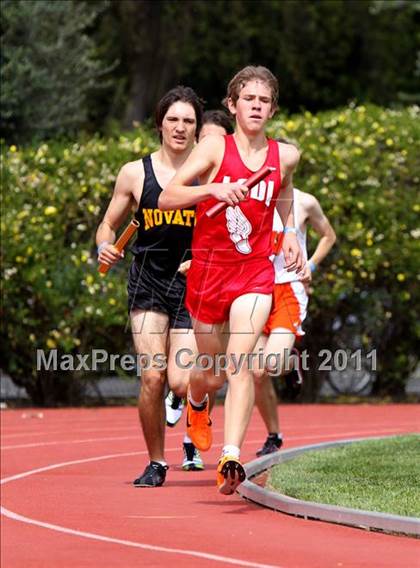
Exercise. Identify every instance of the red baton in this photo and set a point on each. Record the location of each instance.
(250, 182)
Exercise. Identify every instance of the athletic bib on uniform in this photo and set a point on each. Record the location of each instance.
(243, 232)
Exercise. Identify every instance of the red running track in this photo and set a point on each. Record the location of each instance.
(68, 500)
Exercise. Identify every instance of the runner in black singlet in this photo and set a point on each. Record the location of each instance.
(160, 324)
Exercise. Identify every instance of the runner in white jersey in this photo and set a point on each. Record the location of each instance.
(289, 307)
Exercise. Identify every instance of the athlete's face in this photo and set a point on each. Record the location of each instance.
(178, 126)
(208, 128)
(254, 106)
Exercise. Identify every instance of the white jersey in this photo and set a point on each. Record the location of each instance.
(281, 274)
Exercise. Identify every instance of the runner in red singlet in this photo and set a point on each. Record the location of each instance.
(231, 279)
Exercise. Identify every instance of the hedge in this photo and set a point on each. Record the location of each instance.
(361, 162)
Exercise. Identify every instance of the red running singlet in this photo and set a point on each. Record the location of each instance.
(242, 232)
(231, 251)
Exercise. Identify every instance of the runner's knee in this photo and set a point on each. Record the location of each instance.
(259, 377)
(153, 382)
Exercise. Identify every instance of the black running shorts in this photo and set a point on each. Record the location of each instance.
(156, 293)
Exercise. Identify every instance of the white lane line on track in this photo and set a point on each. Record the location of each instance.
(93, 536)
(173, 434)
(84, 430)
(90, 440)
(161, 517)
(286, 426)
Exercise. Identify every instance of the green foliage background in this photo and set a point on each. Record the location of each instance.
(362, 162)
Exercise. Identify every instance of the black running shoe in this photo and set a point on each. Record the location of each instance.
(271, 445)
(153, 476)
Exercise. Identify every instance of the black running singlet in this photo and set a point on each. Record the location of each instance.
(164, 237)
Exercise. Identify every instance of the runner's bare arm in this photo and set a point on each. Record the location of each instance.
(117, 211)
(202, 161)
(318, 220)
(289, 160)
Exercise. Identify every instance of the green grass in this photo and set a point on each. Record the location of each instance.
(376, 475)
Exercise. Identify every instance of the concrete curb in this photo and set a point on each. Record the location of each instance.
(309, 510)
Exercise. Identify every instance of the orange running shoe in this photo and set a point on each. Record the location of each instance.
(230, 474)
(199, 427)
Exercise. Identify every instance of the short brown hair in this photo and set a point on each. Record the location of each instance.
(251, 73)
(185, 95)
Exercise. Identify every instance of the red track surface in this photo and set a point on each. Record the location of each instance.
(80, 509)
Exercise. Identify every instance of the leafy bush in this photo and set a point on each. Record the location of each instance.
(361, 162)
(363, 165)
(54, 297)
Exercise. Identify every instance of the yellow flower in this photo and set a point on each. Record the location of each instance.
(91, 208)
(357, 140)
(48, 283)
(19, 259)
(76, 341)
(401, 277)
(360, 205)
(357, 253)
(50, 210)
(342, 175)
(89, 279)
(290, 125)
(13, 148)
(359, 225)
(416, 207)
(369, 242)
(51, 344)
(349, 273)
(112, 301)
(32, 337)
(389, 142)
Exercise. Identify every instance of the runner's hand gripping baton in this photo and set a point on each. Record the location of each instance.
(249, 183)
(121, 242)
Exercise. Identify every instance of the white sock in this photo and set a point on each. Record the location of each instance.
(161, 462)
(230, 450)
(187, 440)
(195, 402)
